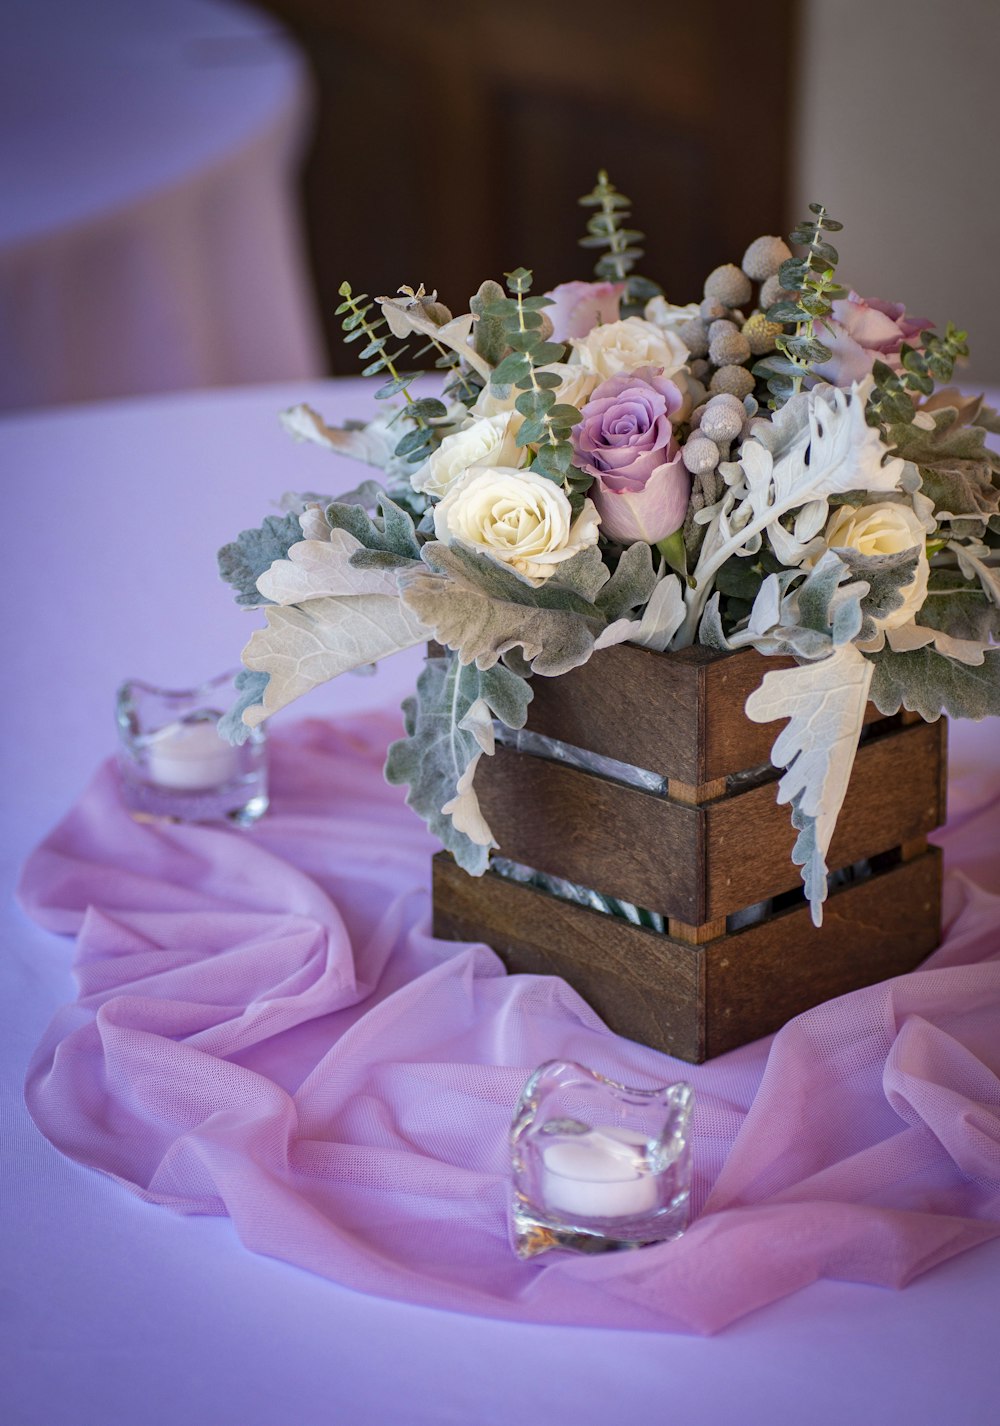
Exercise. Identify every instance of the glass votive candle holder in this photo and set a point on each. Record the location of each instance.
(597, 1166)
(173, 761)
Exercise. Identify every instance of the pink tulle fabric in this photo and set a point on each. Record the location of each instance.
(266, 1029)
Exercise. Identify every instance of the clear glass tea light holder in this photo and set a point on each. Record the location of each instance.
(175, 765)
(597, 1166)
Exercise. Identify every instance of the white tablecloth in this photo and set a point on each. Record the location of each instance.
(114, 1311)
(148, 231)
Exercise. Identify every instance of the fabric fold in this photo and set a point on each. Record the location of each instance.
(266, 1029)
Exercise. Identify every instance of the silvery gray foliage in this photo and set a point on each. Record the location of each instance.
(437, 750)
(390, 532)
(824, 703)
(959, 608)
(482, 609)
(250, 685)
(244, 560)
(807, 620)
(925, 682)
(367, 493)
(886, 576)
(631, 585)
(809, 857)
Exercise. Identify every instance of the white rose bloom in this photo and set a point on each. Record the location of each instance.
(624, 346)
(666, 316)
(517, 516)
(885, 529)
(490, 441)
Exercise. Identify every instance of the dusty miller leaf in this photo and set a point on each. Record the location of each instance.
(305, 645)
(242, 562)
(585, 574)
(297, 502)
(659, 622)
(250, 686)
(482, 610)
(959, 473)
(631, 585)
(807, 621)
(959, 608)
(825, 705)
(390, 532)
(405, 317)
(323, 569)
(434, 757)
(925, 682)
(886, 576)
(372, 443)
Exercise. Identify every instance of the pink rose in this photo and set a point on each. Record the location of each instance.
(626, 441)
(862, 332)
(578, 307)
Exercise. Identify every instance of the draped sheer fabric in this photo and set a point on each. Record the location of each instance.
(265, 1028)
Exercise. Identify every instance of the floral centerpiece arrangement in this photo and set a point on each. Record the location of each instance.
(774, 466)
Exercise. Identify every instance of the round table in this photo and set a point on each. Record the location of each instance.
(149, 239)
(119, 1311)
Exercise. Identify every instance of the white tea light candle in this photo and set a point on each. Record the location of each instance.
(599, 1174)
(190, 756)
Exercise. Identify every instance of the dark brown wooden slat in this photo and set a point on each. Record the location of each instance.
(700, 863)
(600, 834)
(698, 1001)
(758, 979)
(894, 796)
(628, 703)
(642, 984)
(680, 714)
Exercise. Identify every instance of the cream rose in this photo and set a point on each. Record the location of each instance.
(516, 516)
(624, 346)
(490, 441)
(576, 384)
(885, 529)
(667, 316)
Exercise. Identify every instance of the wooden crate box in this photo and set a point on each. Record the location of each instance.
(714, 845)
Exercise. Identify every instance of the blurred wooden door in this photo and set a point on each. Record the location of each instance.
(453, 139)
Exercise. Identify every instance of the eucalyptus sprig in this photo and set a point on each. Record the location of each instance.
(547, 423)
(416, 444)
(811, 279)
(607, 228)
(891, 401)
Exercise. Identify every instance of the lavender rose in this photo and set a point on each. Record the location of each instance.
(625, 440)
(861, 332)
(578, 307)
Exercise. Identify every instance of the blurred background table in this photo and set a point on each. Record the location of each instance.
(149, 233)
(116, 1311)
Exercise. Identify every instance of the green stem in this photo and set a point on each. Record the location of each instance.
(372, 334)
(552, 439)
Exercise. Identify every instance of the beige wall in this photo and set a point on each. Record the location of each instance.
(899, 135)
